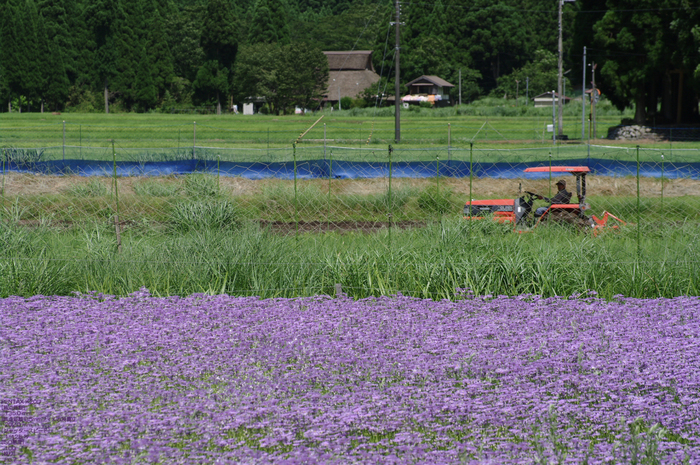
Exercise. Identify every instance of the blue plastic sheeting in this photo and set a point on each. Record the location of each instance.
(322, 169)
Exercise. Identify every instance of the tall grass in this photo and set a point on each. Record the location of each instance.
(434, 262)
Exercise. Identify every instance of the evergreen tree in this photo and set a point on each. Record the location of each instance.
(268, 22)
(145, 95)
(289, 75)
(11, 53)
(218, 35)
(56, 92)
(61, 30)
(211, 84)
(646, 42)
(302, 72)
(220, 47)
(131, 37)
(183, 33)
(52, 73)
(33, 78)
(104, 18)
(159, 55)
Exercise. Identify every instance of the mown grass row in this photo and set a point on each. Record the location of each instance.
(493, 122)
(434, 261)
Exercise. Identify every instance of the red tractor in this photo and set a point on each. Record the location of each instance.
(519, 211)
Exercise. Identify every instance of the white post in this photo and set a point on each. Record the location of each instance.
(554, 120)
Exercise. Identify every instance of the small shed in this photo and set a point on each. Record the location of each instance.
(432, 89)
(545, 100)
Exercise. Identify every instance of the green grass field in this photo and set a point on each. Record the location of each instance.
(358, 128)
(431, 261)
(182, 235)
(204, 233)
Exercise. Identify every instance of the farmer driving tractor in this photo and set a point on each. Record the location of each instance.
(518, 211)
(562, 196)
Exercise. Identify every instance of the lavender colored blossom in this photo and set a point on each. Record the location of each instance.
(219, 379)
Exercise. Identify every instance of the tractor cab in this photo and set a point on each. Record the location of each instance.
(518, 211)
(566, 212)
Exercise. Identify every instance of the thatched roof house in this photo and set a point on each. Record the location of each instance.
(349, 74)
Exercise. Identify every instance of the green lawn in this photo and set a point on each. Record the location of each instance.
(353, 128)
(433, 135)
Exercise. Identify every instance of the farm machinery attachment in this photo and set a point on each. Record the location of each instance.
(519, 211)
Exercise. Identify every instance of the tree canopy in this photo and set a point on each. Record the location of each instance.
(140, 55)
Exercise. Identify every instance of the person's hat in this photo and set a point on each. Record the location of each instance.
(562, 182)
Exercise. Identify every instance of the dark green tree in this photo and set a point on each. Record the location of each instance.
(159, 55)
(361, 27)
(211, 84)
(220, 46)
(269, 22)
(286, 76)
(542, 73)
(104, 18)
(145, 95)
(11, 53)
(302, 72)
(645, 63)
(32, 52)
(63, 29)
(256, 72)
(184, 29)
(54, 82)
(131, 38)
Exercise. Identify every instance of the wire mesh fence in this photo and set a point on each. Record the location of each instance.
(68, 140)
(292, 220)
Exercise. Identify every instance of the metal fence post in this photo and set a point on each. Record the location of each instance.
(437, 174)
(64, 141)
(2, 190)
(391, 203)
(296, 204)
(662, 182)
(471, 180)
(550, 174)
(449, 142)
(639, 216)
(330, 176)
(194, 139)
(116, 199)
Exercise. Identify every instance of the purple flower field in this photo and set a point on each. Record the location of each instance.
(204, 379)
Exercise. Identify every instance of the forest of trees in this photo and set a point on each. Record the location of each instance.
(143, 55)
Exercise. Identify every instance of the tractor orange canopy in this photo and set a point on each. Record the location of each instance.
(559, 169)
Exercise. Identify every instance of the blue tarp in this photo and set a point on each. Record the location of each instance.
(322, 169)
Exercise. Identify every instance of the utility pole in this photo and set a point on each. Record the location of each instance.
(594, 97)
(583, 99)
(460, 86)
(560, 129)
(397, 130)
